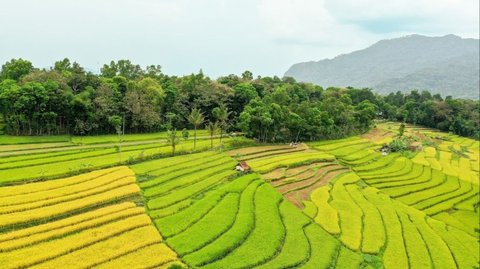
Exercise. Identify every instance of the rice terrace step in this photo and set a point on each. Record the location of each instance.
(336, 203)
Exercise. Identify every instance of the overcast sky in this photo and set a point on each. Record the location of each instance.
(219, 36)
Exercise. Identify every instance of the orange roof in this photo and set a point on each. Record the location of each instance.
(244, 165)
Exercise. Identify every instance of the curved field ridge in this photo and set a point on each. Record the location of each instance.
(214, 218)
(43, 203)
(373, 223)
(266, 159)
(441, 180)
(62, 223)
(408, 212)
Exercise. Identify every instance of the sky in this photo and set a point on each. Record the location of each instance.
(220, 37)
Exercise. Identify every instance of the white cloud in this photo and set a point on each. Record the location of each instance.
(372, 9)
(308, 28)
(429, 16)
(304, 22)
(320, 21)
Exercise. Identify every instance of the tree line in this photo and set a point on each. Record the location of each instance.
(126, 98)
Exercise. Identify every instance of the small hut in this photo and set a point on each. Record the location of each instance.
(385, 149)
(243, 167)
(416, 146)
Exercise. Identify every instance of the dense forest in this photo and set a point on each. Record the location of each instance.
(124, 97)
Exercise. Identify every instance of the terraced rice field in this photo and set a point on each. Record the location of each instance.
(325, 204)
(388, 204)
(297, 183)
(265, 159)
(95, 219)
(215, 219)
(85, 221)
(52, 160)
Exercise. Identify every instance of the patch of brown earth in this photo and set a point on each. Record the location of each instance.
(275, 174)
(292, 197)
(377, 134)
(423, 137)
(308, 173)
(269, 153)
(254, 150)
(282, 173)
(307, 181)
(304, 194)
(315, 166)
(297, 197)
(298, 170)
(300, 173)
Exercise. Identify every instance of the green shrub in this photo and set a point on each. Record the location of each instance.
(398, 145)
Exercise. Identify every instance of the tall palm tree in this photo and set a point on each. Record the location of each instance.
(212, 129)
(221, 113)
(173, 139)
(196, 118)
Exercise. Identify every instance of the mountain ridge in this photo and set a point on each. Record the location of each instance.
(392, 64)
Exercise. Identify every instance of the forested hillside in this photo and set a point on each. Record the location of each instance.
(124, 97)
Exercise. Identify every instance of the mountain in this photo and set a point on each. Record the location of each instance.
(448, 65)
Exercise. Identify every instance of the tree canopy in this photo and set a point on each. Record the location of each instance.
(66, 99)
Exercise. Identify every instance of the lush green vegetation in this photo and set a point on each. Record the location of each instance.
(125, 98)
(57, 159)
(215, 219)
(326, 204)
(398, 210)
(458, 116)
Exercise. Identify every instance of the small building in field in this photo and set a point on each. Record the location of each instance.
(385, 150)
(243, 167)
(416, 146)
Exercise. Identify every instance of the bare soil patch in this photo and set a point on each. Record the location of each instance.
(254, 150)
(290, 180)
(284, 172)
(275, 174)
(298, 170)
(306, 181)
(292, 198)
(304, 194)
(270, 153)
(377, 134)
(297, 196)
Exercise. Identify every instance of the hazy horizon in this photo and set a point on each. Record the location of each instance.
(219, 37)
